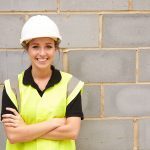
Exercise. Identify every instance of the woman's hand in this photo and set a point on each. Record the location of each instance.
(13, 120)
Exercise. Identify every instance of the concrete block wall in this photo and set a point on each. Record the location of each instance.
(107, 45)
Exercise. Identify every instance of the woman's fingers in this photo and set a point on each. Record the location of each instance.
(12, 120)
(10, 125)
(8, 120)
(9, 116)
(12, 110)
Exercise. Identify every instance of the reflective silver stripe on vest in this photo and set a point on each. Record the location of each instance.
(71, 85)
(15, 87)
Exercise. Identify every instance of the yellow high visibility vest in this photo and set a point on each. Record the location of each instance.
(52, 104)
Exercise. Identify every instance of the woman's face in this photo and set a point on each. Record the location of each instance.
(41, 52)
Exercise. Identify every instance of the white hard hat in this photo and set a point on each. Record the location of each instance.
(39, 26)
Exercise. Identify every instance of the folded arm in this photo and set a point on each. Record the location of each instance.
(68, 131)
(18, 131)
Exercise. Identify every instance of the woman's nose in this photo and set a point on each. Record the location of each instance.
(42, 51)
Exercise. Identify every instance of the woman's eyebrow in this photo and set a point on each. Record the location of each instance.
(49, 43)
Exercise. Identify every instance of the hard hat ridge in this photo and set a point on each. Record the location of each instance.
(39, 26)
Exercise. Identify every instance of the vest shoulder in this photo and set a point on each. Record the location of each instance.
(21, 74)
(65, 74)
(68, 75)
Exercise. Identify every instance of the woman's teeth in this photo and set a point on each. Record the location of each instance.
(41, 59)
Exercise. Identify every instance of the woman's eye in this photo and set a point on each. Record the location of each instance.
(35, 47)
(49, 46)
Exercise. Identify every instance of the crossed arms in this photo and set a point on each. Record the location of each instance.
(55, 129)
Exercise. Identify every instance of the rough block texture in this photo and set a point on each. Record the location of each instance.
(106, 135)
(105, 66)
(10, 28)
(3, 66)
(78, 30)
(2, 137)
(93, 5)
(127, 100)
(14, 62)
(1, 89)
(2, 134)
(91, 101)
(144, 134)
(141, 5)
(126, 31)
(28, 5)
(144, 66)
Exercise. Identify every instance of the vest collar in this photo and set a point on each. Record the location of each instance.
(28, 78)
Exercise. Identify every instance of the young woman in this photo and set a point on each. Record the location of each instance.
(50, 110)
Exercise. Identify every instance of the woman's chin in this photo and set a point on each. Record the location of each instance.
(43, 66)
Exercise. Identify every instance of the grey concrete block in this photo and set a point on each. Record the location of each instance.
(127, 100)
(126, 30)
(144, 134)
(144, 65)
(141, 5)
(3, 66)
(78, 30)
(14, 62)
(93, 5)
(1, 89)
(2, 137)
(106, 135)
(28, 5)
(58, 61)
(91, 101)
(10, 29)
(2, 134)
(102, 66)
